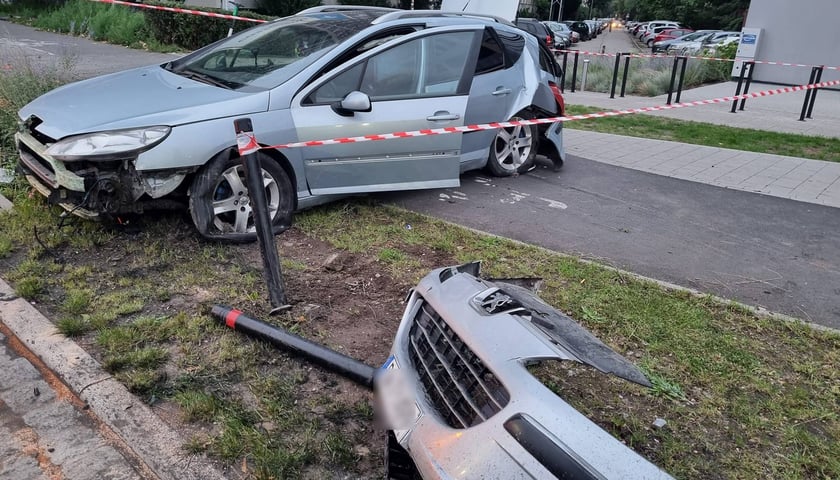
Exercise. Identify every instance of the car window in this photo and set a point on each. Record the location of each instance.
(513, 45)
(491, 55)
(268, 55)
(424, 67)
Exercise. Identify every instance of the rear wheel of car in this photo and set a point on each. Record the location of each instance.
(398, 463)
(221, 208)
(650, 43)
(514, 148)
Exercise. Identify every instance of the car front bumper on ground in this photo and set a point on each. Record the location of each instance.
(465, 405)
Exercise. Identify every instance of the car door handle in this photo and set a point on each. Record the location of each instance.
(501, 91)
(443, 116)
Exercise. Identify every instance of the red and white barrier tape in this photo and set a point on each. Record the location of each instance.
(643, 55)
(536, 121)
(581, 52)
(182, 10)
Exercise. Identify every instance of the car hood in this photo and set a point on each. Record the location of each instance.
(139, 97)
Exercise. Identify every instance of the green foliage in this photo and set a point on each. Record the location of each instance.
(284, 8)
(98, 21)
(697, 14)
(369, 3)
(192, 31)
(20, 84)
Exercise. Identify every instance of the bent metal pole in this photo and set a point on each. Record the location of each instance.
(341, 364)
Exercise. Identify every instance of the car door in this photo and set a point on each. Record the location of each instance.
(416, 82)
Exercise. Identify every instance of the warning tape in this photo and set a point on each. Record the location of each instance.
(537, 121)
(643, 55)
(182, 10)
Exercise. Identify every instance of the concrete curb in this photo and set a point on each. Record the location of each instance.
(153, 442)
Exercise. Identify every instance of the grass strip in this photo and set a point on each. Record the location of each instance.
(711, 135)
(742, 396)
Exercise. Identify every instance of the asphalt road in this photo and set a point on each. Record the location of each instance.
(22, 46)
(780, 254)
(759, 250)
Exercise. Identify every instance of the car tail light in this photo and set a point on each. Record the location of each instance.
(561, 104)
(548, 41)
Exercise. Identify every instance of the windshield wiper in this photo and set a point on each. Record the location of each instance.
(204, 78)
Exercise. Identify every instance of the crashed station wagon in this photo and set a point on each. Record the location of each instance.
(162, 136)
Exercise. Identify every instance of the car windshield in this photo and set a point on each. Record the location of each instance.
(268, 55)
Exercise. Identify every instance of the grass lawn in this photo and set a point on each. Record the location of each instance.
(743, 396)
(699, 133)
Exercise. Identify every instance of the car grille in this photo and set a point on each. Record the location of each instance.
(463, 391)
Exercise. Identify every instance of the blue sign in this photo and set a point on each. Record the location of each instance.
(748, 39)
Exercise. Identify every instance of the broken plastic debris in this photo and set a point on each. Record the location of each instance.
(6, 175)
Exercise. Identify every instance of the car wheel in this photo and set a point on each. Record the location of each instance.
(221, 208)
(514, 148)
(398, 463)
(650, 43)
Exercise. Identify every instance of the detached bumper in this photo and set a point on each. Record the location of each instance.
(471, 409)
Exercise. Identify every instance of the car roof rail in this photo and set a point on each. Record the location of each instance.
(343, 8)
(400, 14)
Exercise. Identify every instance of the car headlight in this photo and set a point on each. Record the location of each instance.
(113, 145)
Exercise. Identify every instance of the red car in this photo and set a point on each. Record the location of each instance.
(669, 34)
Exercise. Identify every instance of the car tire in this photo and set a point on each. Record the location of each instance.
(398, 463)
(222, 183)
(650, 43)
(513, 149)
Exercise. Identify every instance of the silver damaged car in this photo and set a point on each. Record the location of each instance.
(163, 136)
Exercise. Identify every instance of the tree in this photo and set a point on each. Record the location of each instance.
(284, 8)
(370, 3)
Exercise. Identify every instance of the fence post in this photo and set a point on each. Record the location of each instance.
(814, 92)
(673, 79)
(248, 148)
(615, 74)
(808, 94)
(563, 73)
(747, 85)
(626, 69)
(741, 76)
(682, 77)
(574, 71)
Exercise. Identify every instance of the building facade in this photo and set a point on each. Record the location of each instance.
(795, 32)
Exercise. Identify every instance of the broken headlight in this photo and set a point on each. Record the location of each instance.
(113, 145)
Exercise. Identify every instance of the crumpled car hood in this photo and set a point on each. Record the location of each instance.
(139, 97)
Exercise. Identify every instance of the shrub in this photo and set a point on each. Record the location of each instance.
(192, 31)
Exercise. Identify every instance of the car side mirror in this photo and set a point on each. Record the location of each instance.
(354, 102)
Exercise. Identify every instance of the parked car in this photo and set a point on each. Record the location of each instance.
(562, 34)
(664, 45)
(709, 43)
(675, 47)
(656, 23)
(464, 393)
(668, 34)
(581, 28)
(146, 137)
(537, 29)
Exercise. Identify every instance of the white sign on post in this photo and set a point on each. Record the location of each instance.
(501, 8)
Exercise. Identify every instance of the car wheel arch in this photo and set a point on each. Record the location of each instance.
(202, 214)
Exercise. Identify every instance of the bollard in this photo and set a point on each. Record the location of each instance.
(682, 78)
(615, 74)
(248, 148)
(624, 77)
(574, 71)
(808, 94)
(741, 76)
(747, 85)
(339, 363)
(674, 78)
(583, 76)
(563, 72)
(814, 93)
